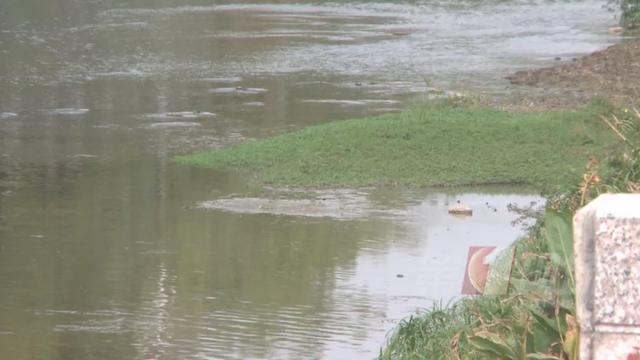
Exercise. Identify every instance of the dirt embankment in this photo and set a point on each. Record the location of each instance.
(613, 74)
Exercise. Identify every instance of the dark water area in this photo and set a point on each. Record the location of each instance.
(110, 250)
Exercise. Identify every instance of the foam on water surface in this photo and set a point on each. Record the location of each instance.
(7, 115)
(173, 125)
(181, 115)
(67, 111)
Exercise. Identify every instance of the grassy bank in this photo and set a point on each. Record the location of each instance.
(527, 312)
(438, 144)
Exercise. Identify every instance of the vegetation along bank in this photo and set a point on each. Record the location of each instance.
(528, 308)
(527, 311)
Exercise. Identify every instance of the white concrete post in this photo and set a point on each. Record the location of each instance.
(607, 261)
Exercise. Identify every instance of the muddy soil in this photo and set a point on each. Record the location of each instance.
(612, 74)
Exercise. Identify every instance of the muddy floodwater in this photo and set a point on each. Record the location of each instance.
(109, 250)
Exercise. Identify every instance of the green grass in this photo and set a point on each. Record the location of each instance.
(434, 145)
(441, 332)
(428, 335)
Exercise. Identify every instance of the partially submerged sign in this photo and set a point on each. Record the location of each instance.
(477, 270)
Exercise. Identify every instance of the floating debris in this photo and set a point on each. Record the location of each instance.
(461, 209)
(616, 29)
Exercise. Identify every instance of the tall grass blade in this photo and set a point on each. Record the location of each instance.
(559, 237)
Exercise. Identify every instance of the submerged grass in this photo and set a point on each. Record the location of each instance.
(444, 143)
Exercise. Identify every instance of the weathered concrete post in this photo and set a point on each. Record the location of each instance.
(607, 261)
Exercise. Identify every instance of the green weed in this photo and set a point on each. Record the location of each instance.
(441, 144)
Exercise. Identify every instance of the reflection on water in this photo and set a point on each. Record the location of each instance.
(110, 250)
(100, 276)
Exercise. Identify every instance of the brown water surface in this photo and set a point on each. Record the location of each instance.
(109, 250)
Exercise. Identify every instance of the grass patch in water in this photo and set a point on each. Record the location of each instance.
(443, 143)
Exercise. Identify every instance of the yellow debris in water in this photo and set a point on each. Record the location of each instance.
(461, 209)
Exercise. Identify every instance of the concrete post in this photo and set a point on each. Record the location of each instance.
(607, 261)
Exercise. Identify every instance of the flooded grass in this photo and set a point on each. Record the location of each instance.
(435, 333)
(439, 144)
